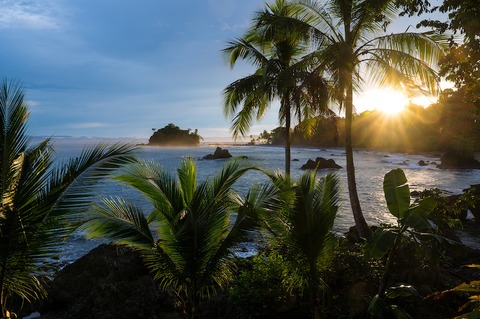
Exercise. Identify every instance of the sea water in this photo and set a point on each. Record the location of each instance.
(371, 166)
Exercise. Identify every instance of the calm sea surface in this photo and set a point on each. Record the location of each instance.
(371, 167)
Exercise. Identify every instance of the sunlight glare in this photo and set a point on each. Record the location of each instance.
(387, 101)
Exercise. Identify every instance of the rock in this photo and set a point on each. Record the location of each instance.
(320, 163)
(109, 282)
(219, 153)
(453, 159)
(295, 160)
(422, 163)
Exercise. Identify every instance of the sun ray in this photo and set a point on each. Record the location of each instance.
(387, 101)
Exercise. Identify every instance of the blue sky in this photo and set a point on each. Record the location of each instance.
(118, 68)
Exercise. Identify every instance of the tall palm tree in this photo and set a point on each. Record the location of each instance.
(303, 226)
(39, 199)
(352, 48)
(281, 74)
(188, 236)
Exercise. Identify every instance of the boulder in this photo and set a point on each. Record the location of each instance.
(422, 163)
(320, 163)
(109, 282)
(453, 159)
(219, 153)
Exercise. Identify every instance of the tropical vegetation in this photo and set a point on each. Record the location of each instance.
(448, 124)
(305, 53)
(282, 73)
(188, 236)
(303, 230)
(347, 42)
(42, 200)
(172, 135)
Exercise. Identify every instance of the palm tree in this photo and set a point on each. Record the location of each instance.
(351, 47)
(39, 199)
(303, 227)
(281, 74)
(187, 238)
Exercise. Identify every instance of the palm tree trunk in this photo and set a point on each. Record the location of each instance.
(362, 227)
(287, 137)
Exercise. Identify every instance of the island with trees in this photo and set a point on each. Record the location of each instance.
(172, 135)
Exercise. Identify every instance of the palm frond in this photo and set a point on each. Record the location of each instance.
(158, 186)
(119, 221)
(245, 50)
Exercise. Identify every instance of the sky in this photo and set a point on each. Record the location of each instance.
(119, 68)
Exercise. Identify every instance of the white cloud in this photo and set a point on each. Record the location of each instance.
(43, 14)
(89, 125)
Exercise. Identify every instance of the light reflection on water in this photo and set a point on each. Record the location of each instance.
(370, 166)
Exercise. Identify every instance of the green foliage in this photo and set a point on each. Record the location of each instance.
(186, 239)
(303, 228)
(450, 209)
(471, 309)
(412, 219)
(379, 308)
(172, 135)
(283, 72)
(265, 289)
(461, 64)
(41, 201)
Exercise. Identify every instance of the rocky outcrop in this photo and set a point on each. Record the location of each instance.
(109, 282)
(457, 160)
(422, 163)
(219, 153)
(320, 163)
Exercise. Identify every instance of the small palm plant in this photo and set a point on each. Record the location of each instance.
(303, 227)
(187, 238)
(39, 200)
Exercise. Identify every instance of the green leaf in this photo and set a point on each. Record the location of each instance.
(423, 208)
(380, 243)
(440, 239)
(419, 223)
(376, 307)
(399, 313)
(470, 315)
(473, 287)
(397, 192)
(401, 291)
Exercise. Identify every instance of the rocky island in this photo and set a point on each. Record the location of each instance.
(172, 135)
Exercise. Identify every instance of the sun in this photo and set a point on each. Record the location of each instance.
(387, 101)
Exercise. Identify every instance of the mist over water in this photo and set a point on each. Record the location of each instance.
(371, 166)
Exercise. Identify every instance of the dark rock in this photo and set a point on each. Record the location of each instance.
(422, 163)
(453, 159)
(320, 163)
(109, 282)
(414, 193)
(434, 163)
(295, 160)
(219, 153)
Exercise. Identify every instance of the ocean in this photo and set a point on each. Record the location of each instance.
(371, 166)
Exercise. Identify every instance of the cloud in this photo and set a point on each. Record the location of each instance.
(43, 14)
(87, 125)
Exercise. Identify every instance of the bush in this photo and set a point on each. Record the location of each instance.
(265, 290)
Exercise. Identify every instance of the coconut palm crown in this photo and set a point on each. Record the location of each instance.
(41, 199)
(351, 48)
(188, 236)
(281, 74)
